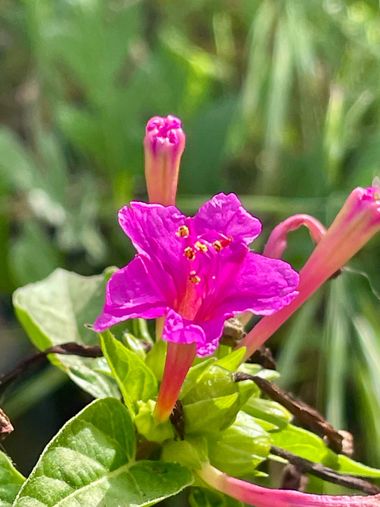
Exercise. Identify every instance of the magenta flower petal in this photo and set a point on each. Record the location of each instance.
(130, 294)
(213, 330)
(225, 214)
(205, 335)
(179, 330)
(152, 228)
(198, 271)
(154, 231)
(264, 286)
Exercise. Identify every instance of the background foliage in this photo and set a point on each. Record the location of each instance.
(280, 103)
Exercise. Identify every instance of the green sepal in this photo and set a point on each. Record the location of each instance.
(194, 375)
(148, 427)
(269, 411)
(257, 369)
(233, 360)
(191, 453)
(241, 447)
(212, 415)
(213, 382)
(213, 399)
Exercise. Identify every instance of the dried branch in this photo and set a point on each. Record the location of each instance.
(303, 412)
(264, 357)
(177, 418)
(305, 466)
(6, 427)
(70, 348)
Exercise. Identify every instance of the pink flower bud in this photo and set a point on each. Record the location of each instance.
(355, 224)
(164, 143)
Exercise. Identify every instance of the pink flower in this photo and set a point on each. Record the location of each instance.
(355, 224)
(266, 497)
(196, 271)
(164, 143)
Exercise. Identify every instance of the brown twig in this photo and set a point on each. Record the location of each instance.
(292, 478)
(177, 418)
(6, 427)
(70, 348)
(303, 412)
(325, 473)
(264, 357)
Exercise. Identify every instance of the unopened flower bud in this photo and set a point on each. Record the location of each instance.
(356, 223)
(164, 143)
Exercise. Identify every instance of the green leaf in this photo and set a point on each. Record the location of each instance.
(25, 265)
(55, 311)
(92, 462)
(268, 410)
(241, 447)
(233, 360)
(201, 497)
(17, 168)
(10, 481)
(300, 442)
(349, 466)
(134, 344)
(155, 358)
(135, 380)
(309, 446)
(257, 369)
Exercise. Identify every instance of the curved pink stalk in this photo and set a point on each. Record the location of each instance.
(355, 224)
(179, 359)
(277, 241)
(164, 143)
(266, 497)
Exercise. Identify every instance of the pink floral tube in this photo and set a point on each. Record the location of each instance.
(266, 497)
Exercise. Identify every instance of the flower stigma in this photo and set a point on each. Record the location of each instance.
(189, 253)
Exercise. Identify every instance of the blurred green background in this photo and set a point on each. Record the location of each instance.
(280, 100)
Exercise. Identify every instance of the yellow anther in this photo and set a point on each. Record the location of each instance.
(183, 231)
(217, 245)
(200, 246)
(194, 278)
(189, 253)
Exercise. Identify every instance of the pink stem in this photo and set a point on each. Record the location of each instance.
(266, 497)
(277, 242)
